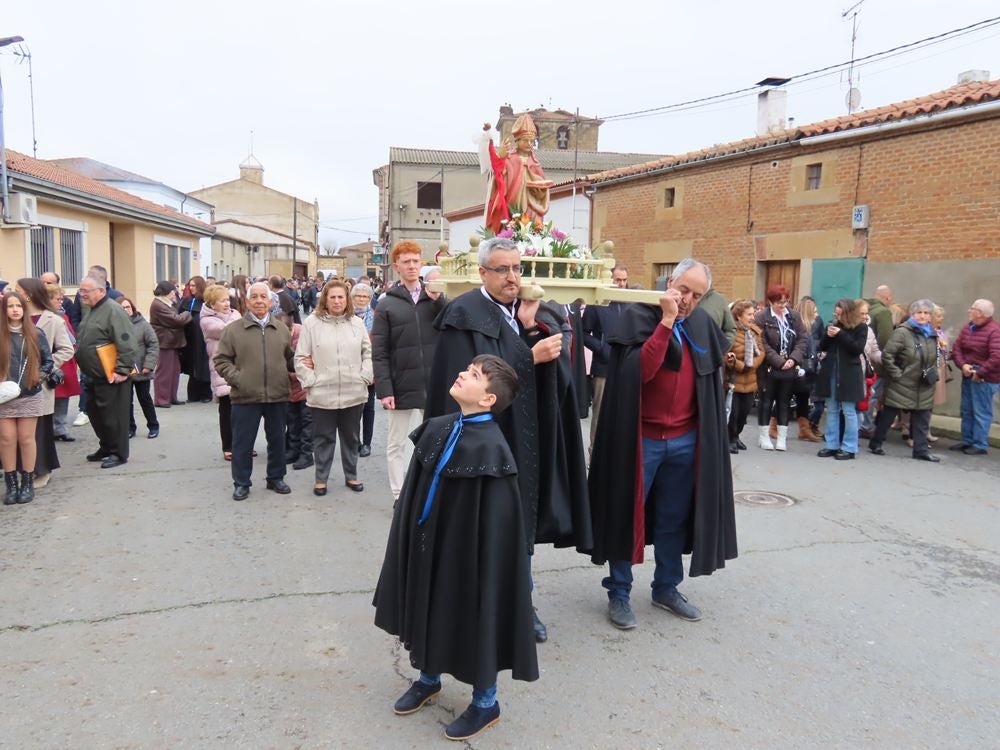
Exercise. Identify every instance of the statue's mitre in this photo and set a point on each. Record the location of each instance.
(524, 126)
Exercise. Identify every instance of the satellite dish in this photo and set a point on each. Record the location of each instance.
(853, 99)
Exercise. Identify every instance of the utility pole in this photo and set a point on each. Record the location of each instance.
(576, 162)
(295, 232)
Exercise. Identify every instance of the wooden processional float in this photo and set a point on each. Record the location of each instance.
(563, 280)
(517, 200)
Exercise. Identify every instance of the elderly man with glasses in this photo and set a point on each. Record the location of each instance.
(106, 325)
(542, 426)
(977, 352)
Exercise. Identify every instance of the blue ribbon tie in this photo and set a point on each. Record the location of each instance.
(449, 448)
(682, 336)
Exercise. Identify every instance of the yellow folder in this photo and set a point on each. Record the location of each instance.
(108, 354)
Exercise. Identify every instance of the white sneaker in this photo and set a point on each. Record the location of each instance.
(81, 419)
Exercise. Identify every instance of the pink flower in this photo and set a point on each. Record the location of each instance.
(530, 252)
(506, 234)
(559, 235)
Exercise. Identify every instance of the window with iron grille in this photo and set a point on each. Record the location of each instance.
(43, 251)
(814, 176)
(71, 255)
(173, 263)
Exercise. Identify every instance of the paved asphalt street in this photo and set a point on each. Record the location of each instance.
(142, 608)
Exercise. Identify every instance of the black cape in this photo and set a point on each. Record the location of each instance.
(457, 590)
(578, 361)
(621, 528)
(194, 355)
(542, 426)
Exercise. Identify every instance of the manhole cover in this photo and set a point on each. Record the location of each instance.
(759, 497)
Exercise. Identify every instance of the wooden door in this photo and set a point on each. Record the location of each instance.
(786, 273)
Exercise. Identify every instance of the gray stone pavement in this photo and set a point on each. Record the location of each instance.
(142, 608)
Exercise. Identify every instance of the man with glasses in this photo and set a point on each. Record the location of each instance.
(977, 352)
(542, 426)
(106, 323)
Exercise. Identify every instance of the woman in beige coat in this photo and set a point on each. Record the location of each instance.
(41, 310)
(333, 361)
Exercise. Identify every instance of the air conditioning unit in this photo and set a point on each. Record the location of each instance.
(23, 208)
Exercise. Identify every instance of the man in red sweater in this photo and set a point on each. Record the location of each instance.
(667, 419)
(977, 352)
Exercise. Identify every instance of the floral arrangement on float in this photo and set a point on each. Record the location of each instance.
(535, 240)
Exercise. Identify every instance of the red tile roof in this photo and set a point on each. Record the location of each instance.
(43, 170)
(965, 94)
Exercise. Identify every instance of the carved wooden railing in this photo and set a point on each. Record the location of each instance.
(564, 280)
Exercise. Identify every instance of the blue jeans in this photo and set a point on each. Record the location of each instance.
(832, 434)
(668, 476)
(480, 698)
(977, 412)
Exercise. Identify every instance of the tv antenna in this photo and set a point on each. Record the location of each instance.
(853, 94)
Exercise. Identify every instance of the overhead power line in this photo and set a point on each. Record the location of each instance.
(818, 72)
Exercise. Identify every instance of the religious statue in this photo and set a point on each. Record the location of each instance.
(518, 184)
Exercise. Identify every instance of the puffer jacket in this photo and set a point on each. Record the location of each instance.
(342, 361)
(147, 347)
(901, 364)
(168, 324)
(403, 342)
(745, 378)
(212, 325)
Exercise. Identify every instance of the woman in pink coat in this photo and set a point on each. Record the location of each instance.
(215, 316)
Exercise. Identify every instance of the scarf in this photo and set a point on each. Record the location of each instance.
(749, 347)
(367, 317)
(927, 329)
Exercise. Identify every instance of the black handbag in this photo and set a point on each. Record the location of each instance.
(928, 375)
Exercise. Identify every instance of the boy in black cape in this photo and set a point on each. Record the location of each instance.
(455, 585)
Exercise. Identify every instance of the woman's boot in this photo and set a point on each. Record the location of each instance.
(764, 441)
(782, 442)
(27, 493)
(10, 479)
(806, 431)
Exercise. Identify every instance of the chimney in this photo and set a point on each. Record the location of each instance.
(771, 107)
(974, 76)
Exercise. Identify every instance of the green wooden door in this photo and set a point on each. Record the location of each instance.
(835, 279)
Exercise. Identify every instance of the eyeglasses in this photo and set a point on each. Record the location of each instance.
(505, 270)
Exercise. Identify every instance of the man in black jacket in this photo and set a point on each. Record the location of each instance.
(403, 341)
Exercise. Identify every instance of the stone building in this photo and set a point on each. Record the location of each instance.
(284, 229)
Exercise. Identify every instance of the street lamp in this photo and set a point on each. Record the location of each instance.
(4, 215)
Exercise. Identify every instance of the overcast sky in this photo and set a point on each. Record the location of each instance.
(171, 91)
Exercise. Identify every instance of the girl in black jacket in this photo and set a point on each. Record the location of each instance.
(26, 360)
(841, 379)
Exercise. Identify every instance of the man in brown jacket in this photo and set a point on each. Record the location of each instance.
(255, 357)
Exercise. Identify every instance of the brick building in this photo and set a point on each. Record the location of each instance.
(907, 194)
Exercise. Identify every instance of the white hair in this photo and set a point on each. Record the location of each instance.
(487, 248)
(922, 304)
(686, 265)
(361, 288)
(985, 307)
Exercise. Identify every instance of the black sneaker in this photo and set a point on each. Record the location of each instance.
(621, 615)
(304, 461)
(419, 695)
(677, 603)
(364, 451)
(958, 447)
(972, 451)
(472, 721)
(541, 632)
